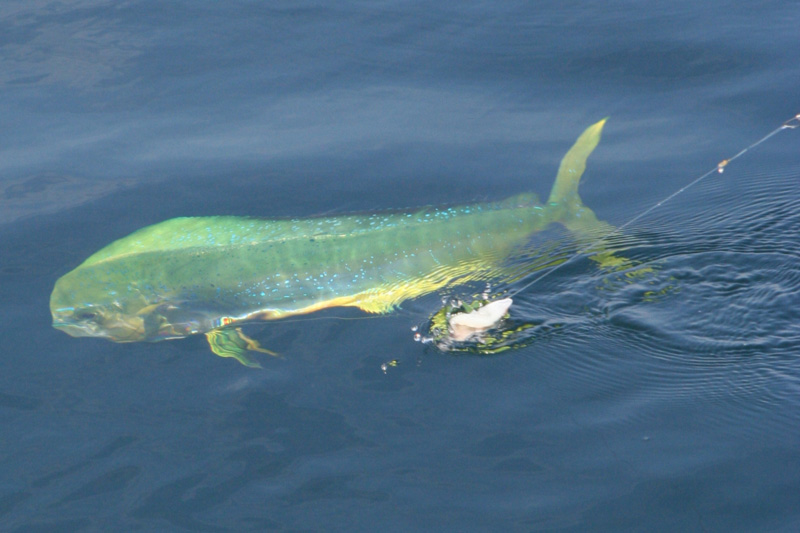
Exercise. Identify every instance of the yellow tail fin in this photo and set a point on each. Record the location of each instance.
(565, 189)
(576, 217)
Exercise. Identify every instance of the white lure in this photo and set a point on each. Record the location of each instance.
(465, 325)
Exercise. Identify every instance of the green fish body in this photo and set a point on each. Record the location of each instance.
(207, 274)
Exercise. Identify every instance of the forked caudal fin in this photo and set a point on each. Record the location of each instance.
(565, 189)
(564, 197)
(576, 217)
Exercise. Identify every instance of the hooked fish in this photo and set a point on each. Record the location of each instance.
(209, 275)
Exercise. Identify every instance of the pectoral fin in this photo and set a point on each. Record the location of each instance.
(232, 342)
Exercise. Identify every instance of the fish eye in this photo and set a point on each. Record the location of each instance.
(85, 315)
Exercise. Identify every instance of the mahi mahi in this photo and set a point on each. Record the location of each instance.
(209, 275)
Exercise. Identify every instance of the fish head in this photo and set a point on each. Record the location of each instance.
(98, 301)
(85, 303)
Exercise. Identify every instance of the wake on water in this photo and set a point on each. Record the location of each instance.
(708, 282)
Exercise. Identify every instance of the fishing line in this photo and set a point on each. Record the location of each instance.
(790, 124)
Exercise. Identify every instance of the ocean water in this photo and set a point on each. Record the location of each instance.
(662, 401)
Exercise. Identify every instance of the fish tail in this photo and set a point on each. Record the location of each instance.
(568, 206)
(565, 190)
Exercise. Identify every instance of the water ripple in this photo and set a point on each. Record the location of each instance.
(711, 304)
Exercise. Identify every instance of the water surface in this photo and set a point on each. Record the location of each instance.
(667, 402)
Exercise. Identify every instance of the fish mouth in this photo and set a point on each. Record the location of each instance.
(74, 330)
(119, 331)
(82, 330)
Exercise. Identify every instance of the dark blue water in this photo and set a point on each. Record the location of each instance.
(664, 402)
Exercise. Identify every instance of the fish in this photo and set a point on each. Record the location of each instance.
(212, 274)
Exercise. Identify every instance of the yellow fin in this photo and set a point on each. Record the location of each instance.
(385, 299)
(232, 342)
(565, 189)
(577, 218)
